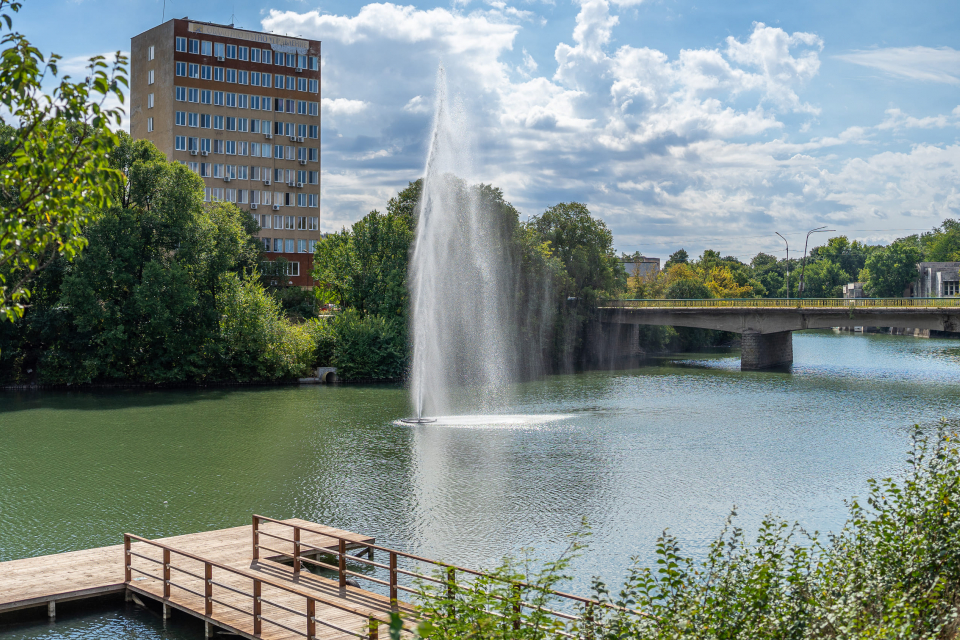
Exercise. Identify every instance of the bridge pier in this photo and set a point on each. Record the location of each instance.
(765, 350)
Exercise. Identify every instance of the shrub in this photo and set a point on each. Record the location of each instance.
(370, 347)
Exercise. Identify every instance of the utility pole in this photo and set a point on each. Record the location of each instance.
(803, 266)
(788, 263)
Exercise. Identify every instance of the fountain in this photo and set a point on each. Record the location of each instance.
(463, 327)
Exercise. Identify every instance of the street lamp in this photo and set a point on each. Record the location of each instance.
(788, 263)
(803, 265)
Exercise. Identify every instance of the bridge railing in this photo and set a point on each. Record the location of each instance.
(787, 303)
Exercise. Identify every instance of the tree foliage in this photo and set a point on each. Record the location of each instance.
(55, 175)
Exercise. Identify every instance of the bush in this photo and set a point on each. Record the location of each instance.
(371, 347)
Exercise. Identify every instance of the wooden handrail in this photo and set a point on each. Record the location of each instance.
(393, 571)
(372, 616)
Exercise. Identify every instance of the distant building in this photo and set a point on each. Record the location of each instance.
(853, 290)
(643, 267)
(937, 280)
(242, 110)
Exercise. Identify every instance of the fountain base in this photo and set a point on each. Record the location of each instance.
(417, 420)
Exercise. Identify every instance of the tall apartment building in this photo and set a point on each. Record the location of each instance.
(242, 110)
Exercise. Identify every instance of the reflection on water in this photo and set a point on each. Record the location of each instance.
(674, 444)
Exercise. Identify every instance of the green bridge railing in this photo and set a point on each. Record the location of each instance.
(788, 303)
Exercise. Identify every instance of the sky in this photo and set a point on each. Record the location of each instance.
(682, 124)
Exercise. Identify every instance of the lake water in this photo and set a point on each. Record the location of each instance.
(674, 444)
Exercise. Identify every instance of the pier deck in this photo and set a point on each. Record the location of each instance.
(214, 576)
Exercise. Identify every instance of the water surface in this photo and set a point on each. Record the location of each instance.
(671, 445)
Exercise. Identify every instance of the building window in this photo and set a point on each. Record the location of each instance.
(206, 72)
(149, 125)
(289, 128)
(192, 144)
(181, 44)
(205, 96)
(180, 118)
(313, 245)
(314, 131)
(301, 222)
(218, 74)
(231, 75)
(242, 124)
(150, 52)
(205, 144)
(267, 56)
(301, 178)
(231, 124)
(291, 247)
(206, 48)
(218, 98)
(301, 84)
(266, 150)
(278, 105)
(301, 245)
(290, 152)
(181, 70)
(150, 76)
(254, 102)
(193, 70)
(218, 146)
(314, 86)
(266, 244)
(193, 119)
(951, 288)
(314, 154)
(241, 169)
(278, 81)
(193, 95)
(180, 143)
(290, 106)
(231, 147)
(266, 103)
(291, 59)
(242, 77)
(149, 101)
(231, 99)
(278, 176)
(301, 199)
(313, 63)
(278, 245)
(291, 83)
(278, 152)
(254, 78)
(242, 53)
(180, 94)
(254, 55)
(194, 46)
(302, 107)
(218, 49)
(314, 108)
(218, 122)
(241, 101)
(314, 177)
(314, 221)
(218, 171)
(204, 169)
(231, 52)
(313, 200)
(193, 167)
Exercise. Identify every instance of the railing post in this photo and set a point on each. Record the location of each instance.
(343, 563)
(393, 581)
(451, 583)
(517, 608)
(127, 558)
(374, 628)
(207, 589)
(296, 549)
(257, 591)
(256, 538)
(311, 618)
(166, 573)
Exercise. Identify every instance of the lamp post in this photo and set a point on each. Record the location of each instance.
(788, 263)
(803, 265)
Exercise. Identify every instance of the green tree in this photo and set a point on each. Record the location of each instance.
(824, 279)
(55, 175)
(889, 270)
(943, 243)
(677, 257)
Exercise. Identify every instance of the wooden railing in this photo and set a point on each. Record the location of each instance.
(788, 303)
(308, 610)
(449, 572)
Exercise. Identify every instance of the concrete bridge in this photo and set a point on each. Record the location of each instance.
(767, 325)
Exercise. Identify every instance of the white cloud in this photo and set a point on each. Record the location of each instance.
(709, 141)
(925, 64)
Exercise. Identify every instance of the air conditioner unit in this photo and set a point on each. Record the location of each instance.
(269, 136)
(204, 153)
(266, 181)
(226, 178)
(293, 138)
(299, 138)
(303, 162)
(219, 58)
(300, 185)
(193, 152)
(276, 207)
(253, 205)
(299, 70)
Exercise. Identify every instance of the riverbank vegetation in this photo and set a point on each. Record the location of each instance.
(561, 263)
(892, 571)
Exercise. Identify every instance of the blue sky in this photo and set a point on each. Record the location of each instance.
(681, 124)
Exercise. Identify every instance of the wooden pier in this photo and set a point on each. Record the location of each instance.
(227, 578)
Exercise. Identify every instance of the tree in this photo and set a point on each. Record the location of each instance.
(943, 243)
(55, 175)
(890, 270)
(677, 257)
